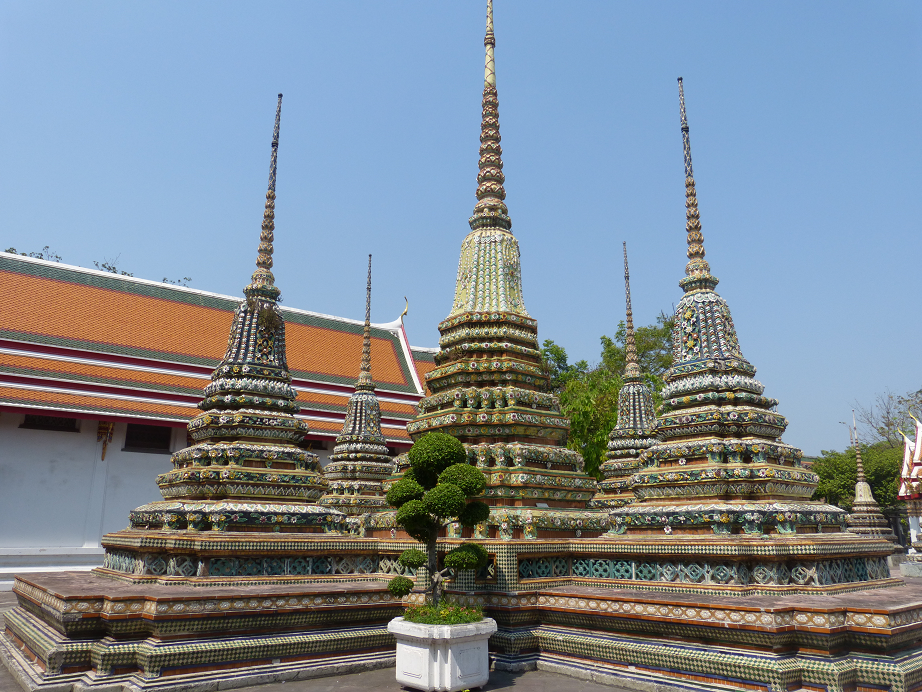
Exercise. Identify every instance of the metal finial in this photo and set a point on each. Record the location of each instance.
(632, 368)
(686, 145)
(263, 282)
(697, 271)
(273, 162)
(489, 41)
(365, 370)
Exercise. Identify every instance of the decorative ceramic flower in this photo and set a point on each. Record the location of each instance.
(667, 529)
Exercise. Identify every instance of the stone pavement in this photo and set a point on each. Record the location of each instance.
(383, 679)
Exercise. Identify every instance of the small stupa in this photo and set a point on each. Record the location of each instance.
(633, 433)
(360, 462)
(490, 387)
(866, 519)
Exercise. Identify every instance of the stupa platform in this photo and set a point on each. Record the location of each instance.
(856, 641)
(73, 628)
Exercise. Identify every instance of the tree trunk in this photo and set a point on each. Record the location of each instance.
(433, 567)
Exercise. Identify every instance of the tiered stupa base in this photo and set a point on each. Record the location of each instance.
(565, 604)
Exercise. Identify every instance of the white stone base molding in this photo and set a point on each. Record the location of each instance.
(442, 658)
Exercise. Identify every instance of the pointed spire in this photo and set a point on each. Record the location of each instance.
(861, 476)
(489, 42)
(490, 210)
(365, 381)
(697, 271)
(632, 368)
(263, 282)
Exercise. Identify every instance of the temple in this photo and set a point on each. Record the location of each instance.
(633, 433)
(699, 563)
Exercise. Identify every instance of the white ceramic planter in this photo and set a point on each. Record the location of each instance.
(442, 658)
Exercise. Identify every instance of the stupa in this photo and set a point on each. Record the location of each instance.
(360, 461)
(721, 487)
(245, 472)
(633, 432)
(866, 519)
(490, 386)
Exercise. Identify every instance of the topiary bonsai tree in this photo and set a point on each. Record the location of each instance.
(434, 493)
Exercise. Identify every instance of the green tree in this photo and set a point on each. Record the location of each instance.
(434, 493)
(838, 472)
(559, 369)
(654, 348)
(590, 401)
(889, 414)
(46, 253)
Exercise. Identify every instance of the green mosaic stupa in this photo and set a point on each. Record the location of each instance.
(490, 387)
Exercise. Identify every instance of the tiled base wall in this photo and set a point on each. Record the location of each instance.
(800, 573)
(643, 664)
(154, 564)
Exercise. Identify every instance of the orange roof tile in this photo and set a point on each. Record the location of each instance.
(80, 340)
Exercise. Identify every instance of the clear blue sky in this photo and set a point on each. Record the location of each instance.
(141, 130)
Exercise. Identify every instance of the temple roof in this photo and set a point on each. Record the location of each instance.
(91, 342)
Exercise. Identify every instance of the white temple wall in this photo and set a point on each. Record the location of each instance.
(58, 497)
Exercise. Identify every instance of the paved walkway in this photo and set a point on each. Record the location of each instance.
(383, 679)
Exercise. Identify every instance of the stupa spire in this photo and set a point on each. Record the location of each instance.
(632, 367)
(365, 381)
(359, 462)
(490, 210)
(697, 271)
(489, 271)
(861, 476)
(263, 282)
(633, 432)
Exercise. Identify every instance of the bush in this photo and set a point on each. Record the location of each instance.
(431, 495)
(403, 491)
(433, 453)
(445, 500)
(400, 586)
(412, 558)
(471, 480)
(467, 556)
(445, 614)
(474, 513)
